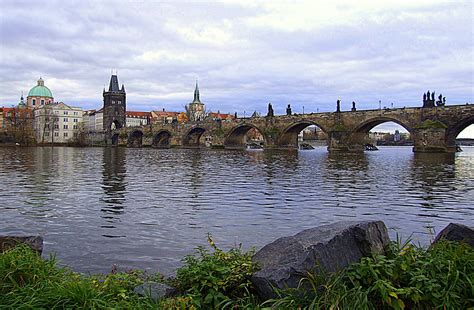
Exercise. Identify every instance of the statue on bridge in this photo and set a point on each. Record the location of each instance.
(270, 110)
(338, 108)
(428, 100)
(441, 101)
(353, 106)
(288, 110)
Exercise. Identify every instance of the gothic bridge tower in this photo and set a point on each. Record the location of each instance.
(114, 108)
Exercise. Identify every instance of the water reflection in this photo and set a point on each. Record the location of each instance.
(113, 181)
(158, 205)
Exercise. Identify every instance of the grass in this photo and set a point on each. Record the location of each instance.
(408, 277)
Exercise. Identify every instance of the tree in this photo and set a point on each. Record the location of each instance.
(19, 125)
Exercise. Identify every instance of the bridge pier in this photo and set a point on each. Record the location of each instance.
(341, 141)
(431, 140)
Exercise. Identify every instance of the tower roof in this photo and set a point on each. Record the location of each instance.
(196, 94)
(114, 85)
(40, 90)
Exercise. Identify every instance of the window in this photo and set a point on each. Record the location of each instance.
(65, 127)
(56, 126)
(65, 134)
(65, 112)
(42, 101)
(75, 120)
(65, 119)
(56, 112)
(46, 134)
(75, 113)
(56, 134)
(33, 102)
(75, 134)
(119, 101)
(47, 126)
(74, 127)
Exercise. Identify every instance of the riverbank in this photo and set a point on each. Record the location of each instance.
(407, 276)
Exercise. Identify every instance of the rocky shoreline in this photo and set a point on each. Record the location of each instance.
(283, 263)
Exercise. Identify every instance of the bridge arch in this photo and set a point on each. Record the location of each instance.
(192, 137)
(289, 135)
(115, 125)
(367, 125)
(359, 135)
(135, 139)
(236, 136)
(453, 131)
(162, 139)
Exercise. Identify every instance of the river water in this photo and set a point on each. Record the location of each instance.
(147, 208)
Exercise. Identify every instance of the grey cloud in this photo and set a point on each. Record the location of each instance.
(391, 55)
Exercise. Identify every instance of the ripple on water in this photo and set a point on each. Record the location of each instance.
(146, 208)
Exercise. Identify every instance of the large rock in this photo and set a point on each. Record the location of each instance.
(9, 242)
(457, 232)
(330, 248)
(155, 291)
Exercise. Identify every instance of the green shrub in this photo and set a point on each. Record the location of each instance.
(409, 276)
(28, 281)
(213, 278)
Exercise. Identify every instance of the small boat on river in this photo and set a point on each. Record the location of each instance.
(370, 147)
(306, 146)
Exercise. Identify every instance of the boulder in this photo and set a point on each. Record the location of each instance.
(457, 232)
(327, 248)
(9, 242)
(155, 290)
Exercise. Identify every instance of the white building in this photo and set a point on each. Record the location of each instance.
(57, 123)
(136, 119)
(94, 121)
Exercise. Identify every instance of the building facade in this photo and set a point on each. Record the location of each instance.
(57, 123)
(39, 96)
(135, 119)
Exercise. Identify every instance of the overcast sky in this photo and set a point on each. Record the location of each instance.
(244, 53)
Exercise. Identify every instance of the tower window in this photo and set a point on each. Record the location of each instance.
(33, 102)
(42, 101)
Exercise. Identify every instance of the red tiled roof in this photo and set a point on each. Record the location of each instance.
(221, 115)
(137, 114)
(166, 113)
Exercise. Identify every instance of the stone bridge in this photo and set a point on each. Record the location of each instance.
(432, 129)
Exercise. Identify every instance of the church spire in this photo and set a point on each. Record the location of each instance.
(196, 94)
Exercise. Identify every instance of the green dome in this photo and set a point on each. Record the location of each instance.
(40, 90)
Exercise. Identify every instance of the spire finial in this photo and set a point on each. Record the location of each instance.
(196, 94)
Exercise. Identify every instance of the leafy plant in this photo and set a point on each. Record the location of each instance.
(407, 277)
(214, 277)
(28, 281)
